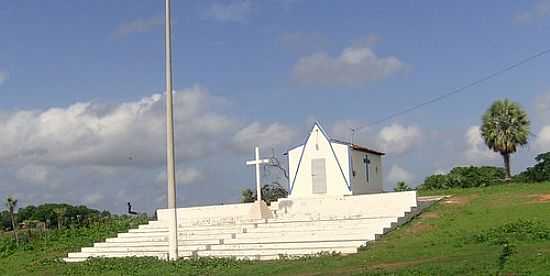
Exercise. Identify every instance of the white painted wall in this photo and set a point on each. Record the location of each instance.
(293, 158)
(380, 205)
(214, 214)
(318, 146)
(340, 207)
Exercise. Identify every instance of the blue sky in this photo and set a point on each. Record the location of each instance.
(252, 72)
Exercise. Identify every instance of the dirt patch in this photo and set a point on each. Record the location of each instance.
(419, 228)
(395, 265)
(458, 200)
(541, 198)
(429, 215)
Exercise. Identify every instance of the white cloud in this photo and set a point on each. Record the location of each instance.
(540, 10)
(183, 176)
(232, 11)
(140, 25)
(35, 174)
(3, 77)
(542, 106)
(110, 154)
(476, 150)
(93, 198)
(265, 136)
(354, 66)
(397, 174)
(398, 139)
(128, 134)
(441, 172)
(542, 142)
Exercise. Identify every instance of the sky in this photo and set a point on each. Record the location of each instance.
(82, 106)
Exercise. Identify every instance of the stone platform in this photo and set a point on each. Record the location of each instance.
(299, 227)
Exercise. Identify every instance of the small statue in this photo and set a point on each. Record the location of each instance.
(130, 209)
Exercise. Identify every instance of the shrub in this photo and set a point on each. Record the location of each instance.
(520, 230)
(70, 238)
(465, 177)
(401, 187)
(270, 192)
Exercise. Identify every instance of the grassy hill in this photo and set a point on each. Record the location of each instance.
(479, 231)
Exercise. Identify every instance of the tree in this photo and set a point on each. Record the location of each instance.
(11, 203)
(538, 173)
(60, 213)
(273, 192)
(247, 196)
(505, 126)
(401, 187)
(270, 192)
(465, 177)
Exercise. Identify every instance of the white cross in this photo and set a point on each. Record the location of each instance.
(257, 163)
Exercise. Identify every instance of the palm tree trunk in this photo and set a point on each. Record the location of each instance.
(506, 157)
(13, 226)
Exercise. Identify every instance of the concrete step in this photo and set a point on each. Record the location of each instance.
(181, 235)
(160, 255)
(340, 215)
(156, 243)
(323, 227)
(256, 254)
(289, 234)
(196, 227)
(194, 224)
(74, 260)
(189, 231)
(302, 238)
(139, 248)
(138, 239)
(162, 239)
(288, 245)
(308, 223)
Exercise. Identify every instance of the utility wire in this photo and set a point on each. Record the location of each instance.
(457, 90)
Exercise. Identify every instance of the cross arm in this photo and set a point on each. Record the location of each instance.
(261, 161)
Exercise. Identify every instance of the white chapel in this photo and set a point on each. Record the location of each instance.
(324, 166)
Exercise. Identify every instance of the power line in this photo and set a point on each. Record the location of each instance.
(456, 90)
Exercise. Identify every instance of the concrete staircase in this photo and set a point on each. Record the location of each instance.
(280, 237)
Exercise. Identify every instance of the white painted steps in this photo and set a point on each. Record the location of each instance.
(288, 235)
(258, 253)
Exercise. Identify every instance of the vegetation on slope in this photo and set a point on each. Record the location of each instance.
(478, 231)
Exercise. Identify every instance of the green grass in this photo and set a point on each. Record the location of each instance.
(480, 231)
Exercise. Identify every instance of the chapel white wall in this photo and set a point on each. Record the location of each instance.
(318, 146)
(293, 159)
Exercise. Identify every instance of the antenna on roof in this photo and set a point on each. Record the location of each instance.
(352, 135)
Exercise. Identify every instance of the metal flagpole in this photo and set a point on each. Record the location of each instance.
(170, 154)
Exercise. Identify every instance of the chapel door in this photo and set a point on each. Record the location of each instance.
(318, 176)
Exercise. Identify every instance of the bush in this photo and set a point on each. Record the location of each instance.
(72, 238)
(401, 187)
(520, 230)
(270, 192)
(538, 173)
(465, 177)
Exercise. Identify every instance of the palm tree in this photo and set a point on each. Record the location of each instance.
(11, 203)
(505, 126)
